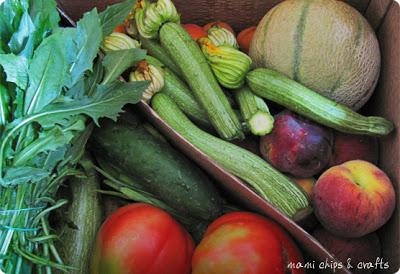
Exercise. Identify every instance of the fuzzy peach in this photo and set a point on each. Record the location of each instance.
(349, 147)
(353, 199)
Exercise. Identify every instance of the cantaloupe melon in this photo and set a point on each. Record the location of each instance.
(326, 45)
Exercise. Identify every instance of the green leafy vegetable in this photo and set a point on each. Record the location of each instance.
(116, 62)
(53, 88)
(16, 69)
(115, 15)
(87, 42)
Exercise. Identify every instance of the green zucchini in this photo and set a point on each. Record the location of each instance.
(84, 219)
(159, 168)
(197, 73)
(280, 89)
(267, 181)
(156, 50)
(254, 111)
(183, 97)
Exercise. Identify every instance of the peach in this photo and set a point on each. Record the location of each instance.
(297, 146)
(349, 147)
(353, 199)
(355, 251)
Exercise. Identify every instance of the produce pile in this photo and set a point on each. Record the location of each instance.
(266, 105)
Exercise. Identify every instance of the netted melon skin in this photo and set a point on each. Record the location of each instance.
(326, 45)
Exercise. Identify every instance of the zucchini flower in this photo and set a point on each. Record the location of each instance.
(119, 41)
(148, 72)
(150, 17)
(229, 65)
(130, 25)
(220, 36)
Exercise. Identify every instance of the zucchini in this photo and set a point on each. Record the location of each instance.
(280, 89)
(254, 111)
(267, 181)
(84, 219)
(183, 97)
(159, 168)
(156, 50)
(197, 73)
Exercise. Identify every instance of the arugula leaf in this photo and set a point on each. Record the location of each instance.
(107, 102)
(94, 78)
(10, 16)
(47, 10)
(116, 62)
(19, 38)
(47, 141)
(115, 15)
(87, 43)
(47, 71)
(16, 69)
(20, 175)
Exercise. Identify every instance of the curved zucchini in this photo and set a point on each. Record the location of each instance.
(267, 181)
(183, 97)
(156, 50)
(280, 89)
(197, 73)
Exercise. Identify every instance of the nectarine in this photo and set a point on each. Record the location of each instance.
(297, 146)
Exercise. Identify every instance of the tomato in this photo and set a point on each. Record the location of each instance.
(142, 239)
(244, 38)
(120, 28)
(195, 31)
(245, 243)
(218, 23)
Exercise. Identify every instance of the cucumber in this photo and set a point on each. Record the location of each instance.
(254, 111)
(267, 181)
(84, 219)
(188, 57)
(156, 50)
(158, 167)
(280, 89)
(183, 97)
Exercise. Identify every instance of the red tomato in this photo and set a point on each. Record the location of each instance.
(245, 243)
(244, 38)
(120, 28)
(142, 239)
(195, 31)
(218, 23)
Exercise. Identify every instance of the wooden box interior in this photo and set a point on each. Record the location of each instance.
(384, 16)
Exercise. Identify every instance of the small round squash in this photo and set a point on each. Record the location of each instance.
(326, 45)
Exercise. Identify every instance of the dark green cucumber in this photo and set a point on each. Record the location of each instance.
(267, 181)
(280, 89)
(160, 169)
(84, 219)
(156, 50)
(187, 55)
(254, 111)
